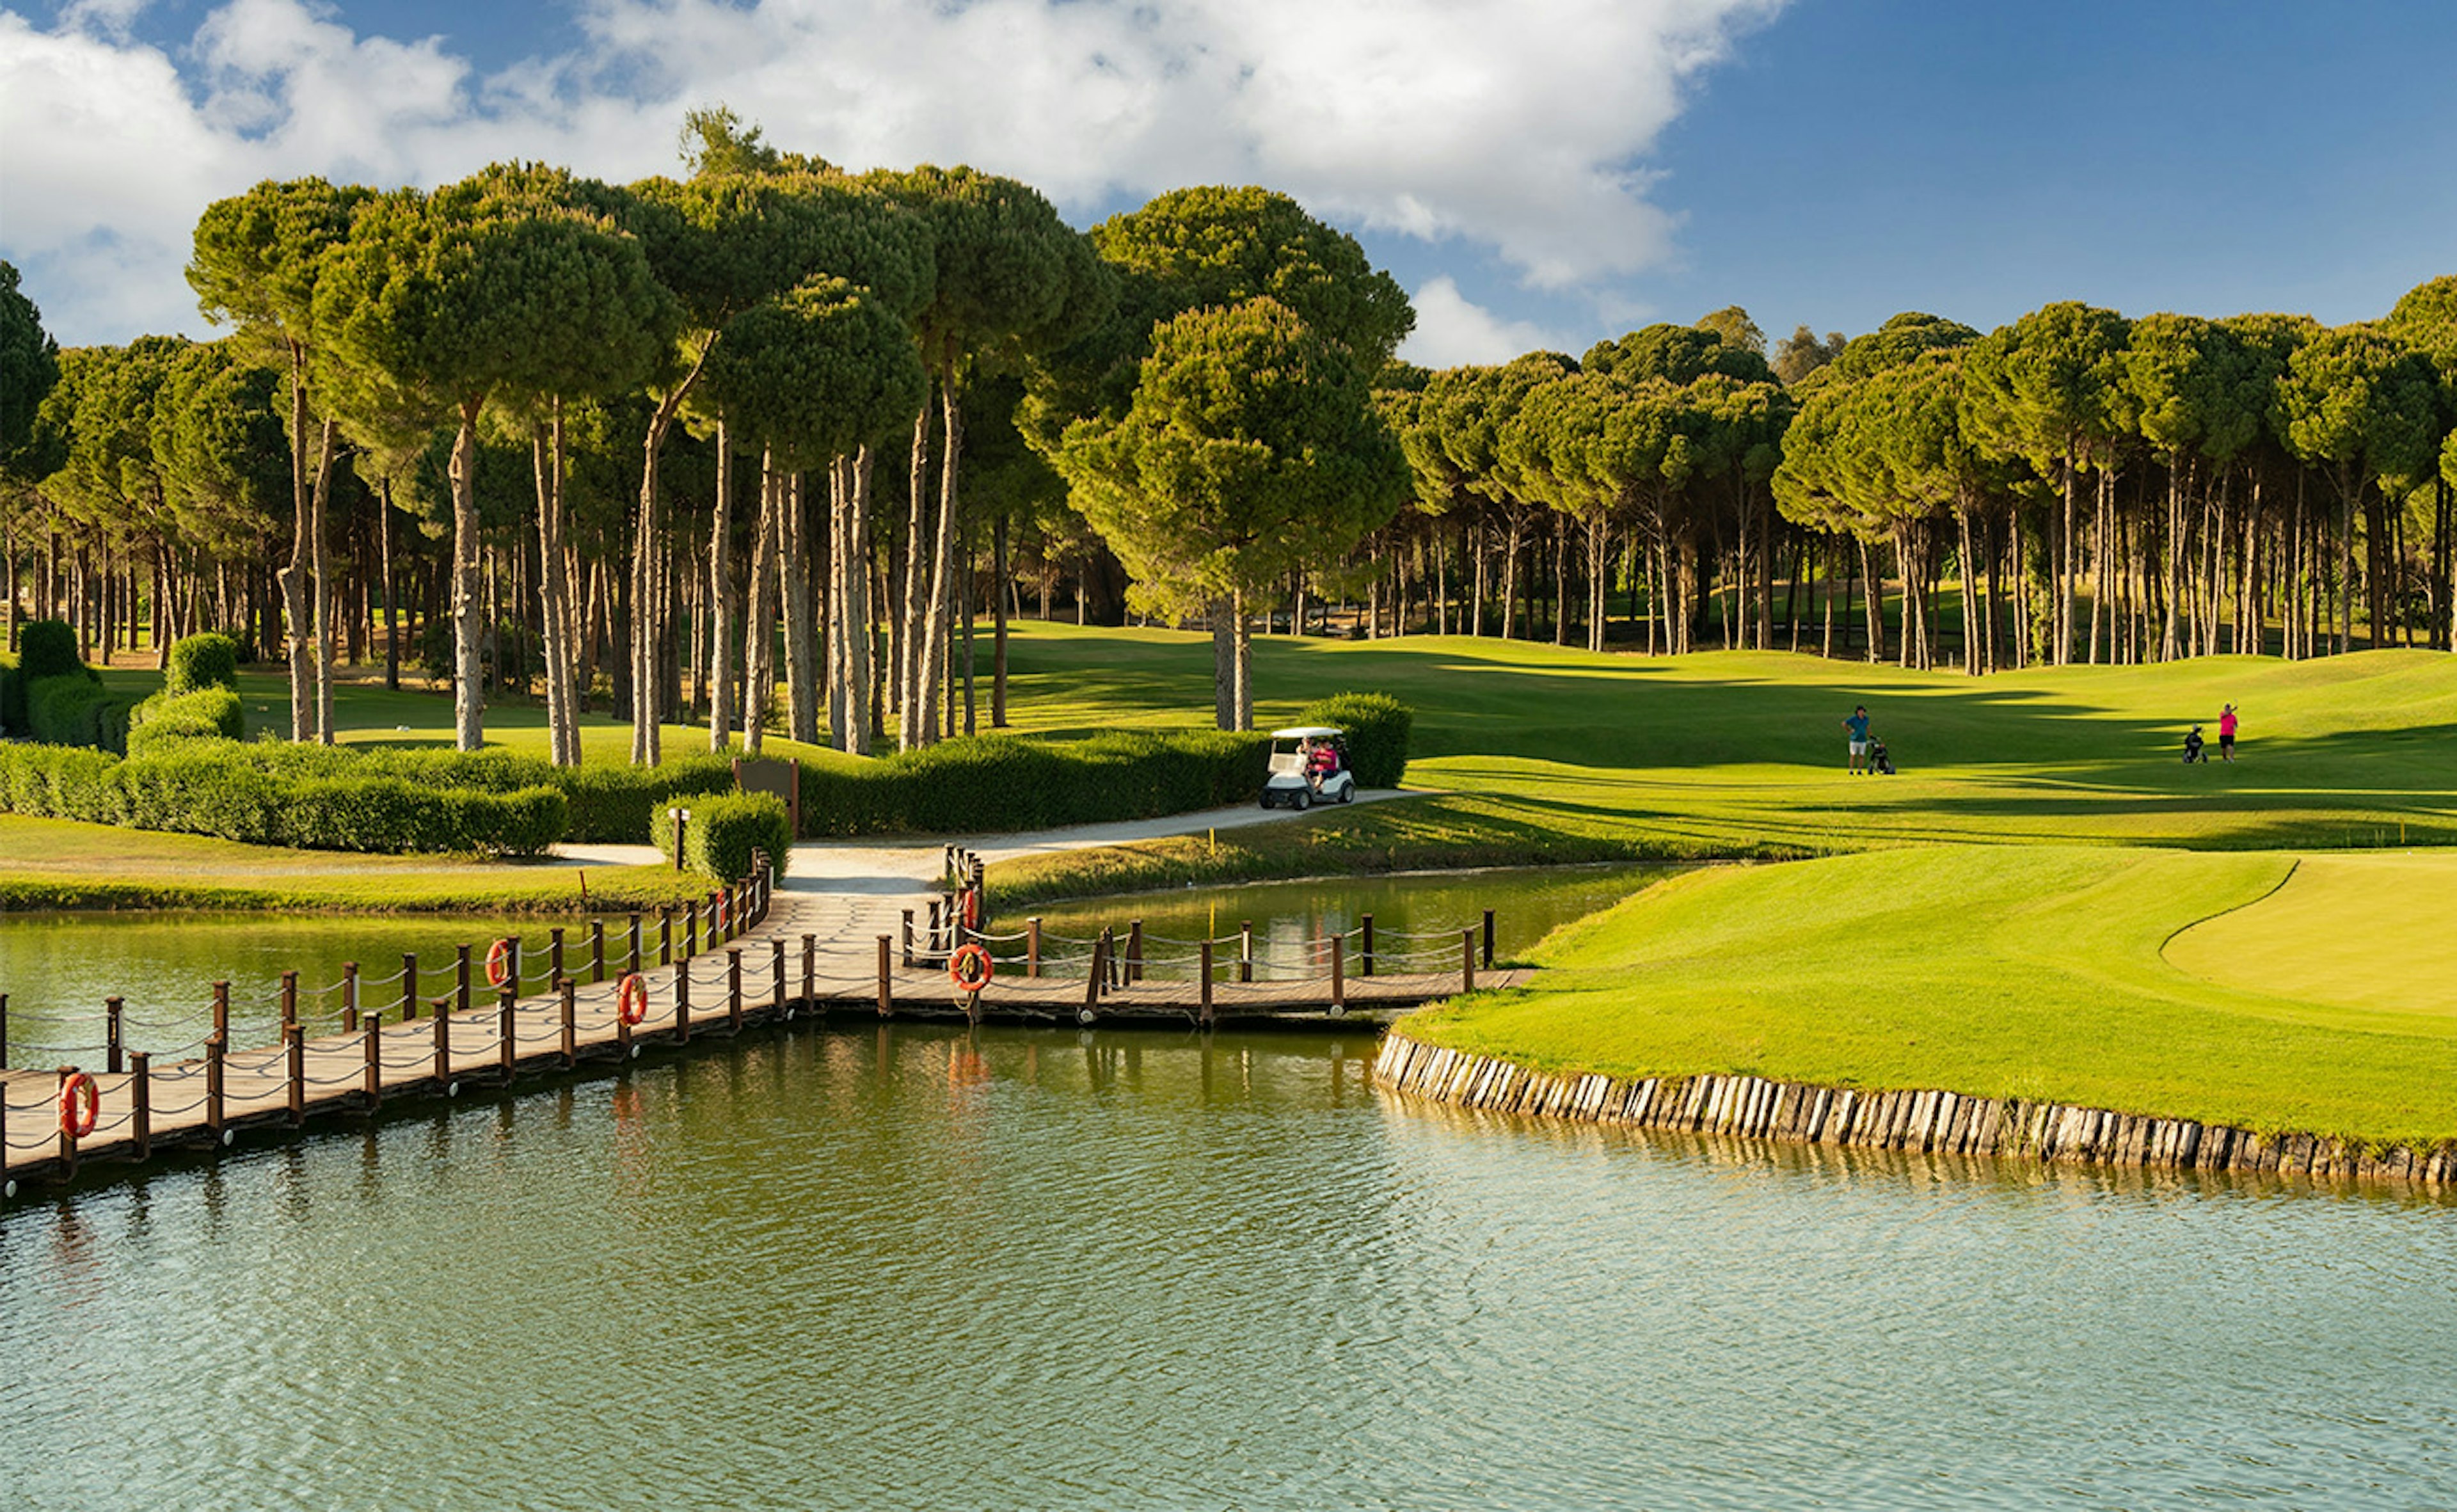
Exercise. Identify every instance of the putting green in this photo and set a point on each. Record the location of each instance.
(1998, 971)
(2376, 932)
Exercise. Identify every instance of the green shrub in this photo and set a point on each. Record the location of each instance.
(209, 714)
(390, 814)
(200, 662)
(211, 786)
(1002, 782)
(76, 709)
(12, 696)
(48, 648)
(1377, 726)
(724, 830)
(611, 804)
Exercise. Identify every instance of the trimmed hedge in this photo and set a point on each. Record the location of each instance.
(991, 783)
(208, 714)
(48, 648)
(723, 832)
(610, 805)
(1377, 725)
(217, 787)
(76, 709)
(12, 696)
(200, 662)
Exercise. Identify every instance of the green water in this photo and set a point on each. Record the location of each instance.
(915, 1268)
(57, 969)
(1416, 917)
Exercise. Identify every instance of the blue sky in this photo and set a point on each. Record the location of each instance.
(1537, 172)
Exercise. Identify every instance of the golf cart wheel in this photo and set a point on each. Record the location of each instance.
(1348, 794)
(1302, 802)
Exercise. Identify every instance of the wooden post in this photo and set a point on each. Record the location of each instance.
(349, 997)
(634, 965)
(512, 965)
(114, 1047)
(1467, 960)
(622, 1031)
(666, 937)
(887, 976)
(933, 925)
(733, 988)
(1207, 1016)
(140, 1102)
(569, 1007)
(1364, 955)
(289, 999)
(1092, 984)
(596, 951)
(294, 1038)
(777, 972)
(811, 972)
(3, 1031)
(1338, 973)
(1032, 946)
(460, 983)
(1246, 951)
(221, 1012)
(1134, 951)
(682, 1003)
(554, 955)
(215, 1050)
(372, 1088)
(443, 1040)
(1488, 937)
(908, 940)
(506, 1022)
(408, 987)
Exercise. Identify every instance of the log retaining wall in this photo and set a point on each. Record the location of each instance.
(1918, 1121)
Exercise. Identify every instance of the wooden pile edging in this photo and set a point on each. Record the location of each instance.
(1916, 1121)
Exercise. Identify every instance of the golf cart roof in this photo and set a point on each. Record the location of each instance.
(1308, 732)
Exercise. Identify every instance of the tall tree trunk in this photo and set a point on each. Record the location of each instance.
(545, 463)
(1245, 664)
(294, 576)
(468, 694)
(801, 633)
(758, 628)
(909, 637)
(999, 570)
(935, 643)
(646, 741)
(1221, 615)
(724, 598)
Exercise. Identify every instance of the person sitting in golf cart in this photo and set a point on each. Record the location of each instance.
(1321, 761)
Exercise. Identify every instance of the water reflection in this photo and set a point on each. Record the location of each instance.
(932, 1266)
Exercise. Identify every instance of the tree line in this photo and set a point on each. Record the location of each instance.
(675, 446)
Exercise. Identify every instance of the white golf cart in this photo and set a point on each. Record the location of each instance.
(1292, 785)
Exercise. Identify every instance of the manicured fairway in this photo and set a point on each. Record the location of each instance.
(2031, 972)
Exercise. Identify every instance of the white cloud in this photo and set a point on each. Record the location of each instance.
(1451, 330)
(1516, 126)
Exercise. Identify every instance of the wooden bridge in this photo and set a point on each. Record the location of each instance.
(748, 955)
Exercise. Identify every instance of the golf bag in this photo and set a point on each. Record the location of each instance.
(2193, 747)
(1880, 759)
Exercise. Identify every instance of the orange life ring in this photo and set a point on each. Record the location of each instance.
(80, 1104)
(631, 1000)
(971, 967)
(973, 908)
(721, 912)
(499, 964)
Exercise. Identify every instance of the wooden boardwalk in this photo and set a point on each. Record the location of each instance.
(794, 954)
